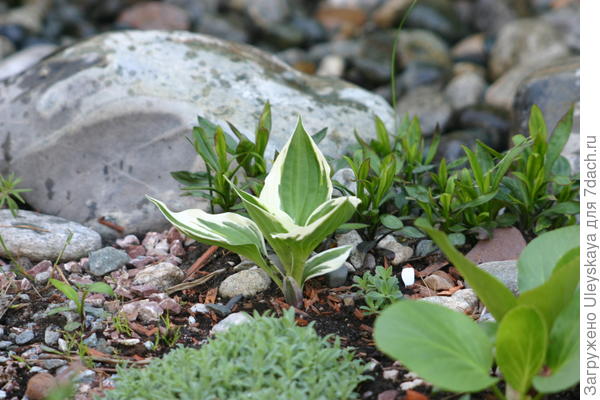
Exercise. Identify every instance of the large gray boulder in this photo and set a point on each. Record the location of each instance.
(96, 126)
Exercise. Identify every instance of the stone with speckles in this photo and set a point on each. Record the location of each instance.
(96, 126)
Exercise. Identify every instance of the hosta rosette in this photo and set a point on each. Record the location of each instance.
(294, 213)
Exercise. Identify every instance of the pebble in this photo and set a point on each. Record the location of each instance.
(465, 90)
(352, 238)
(505, 271)
(338, 277)
(430, 105)
(401, 253)
(424, 46)
(199, 308)
(51, 335)
(425, 247)
(525, 42)
(246, 283)
(161, 276)
(53, 363)
(463, 301)
(5, 344)
(146, 310)
(47, 242)
(332, 65)
(237, 318)
(128, 241)
(155, 15)
(220, 309)
(505, 244)
(106, 260)
(436, 282)
(24, 337)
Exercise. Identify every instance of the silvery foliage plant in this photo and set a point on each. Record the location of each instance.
(294, 212)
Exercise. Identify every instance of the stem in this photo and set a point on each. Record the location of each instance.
(394, 49)
(498, 393)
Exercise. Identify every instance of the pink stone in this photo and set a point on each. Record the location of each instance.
(136, 251)
(42, 266)
(506, 244)
(177, 249)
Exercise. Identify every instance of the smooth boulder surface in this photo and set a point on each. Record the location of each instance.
(42, 237)
(95, 127)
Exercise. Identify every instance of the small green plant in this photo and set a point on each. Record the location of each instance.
(267, 358)
(540, 190)
(168, 334)
(10, 195)
(379, 289)
(78, 297)
(121, 324)
(535, 341)
(223, 159)
(295, 212)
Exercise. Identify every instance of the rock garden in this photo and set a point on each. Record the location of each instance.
(289, 199)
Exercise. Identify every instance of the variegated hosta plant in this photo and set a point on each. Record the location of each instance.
(294, 213)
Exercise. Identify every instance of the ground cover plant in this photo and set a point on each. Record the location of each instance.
(271, 358)
(535, 341)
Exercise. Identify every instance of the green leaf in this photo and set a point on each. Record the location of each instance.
(552, 296)
(430, 340)
(325, 262)
(538, 259)
(227, 230)
(203, 145)
(350, 227)
(100, 287)
(66, 289)
(71, 326)
(563, 351)
(299, 180)
(391, 221)
(411, 232)
(537, 125)
(496, 297)
(521, 344)
(58, 310)
(382, 136)
(558, 140)
(319, 136)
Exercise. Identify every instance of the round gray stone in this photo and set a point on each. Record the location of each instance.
(42, 237)
(106, 260)
(245, 283)
(24, 337)
(161, 276)
(430, 105)
(60, 120)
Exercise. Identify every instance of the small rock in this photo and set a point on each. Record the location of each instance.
(40, 385)
(425, 247)
(411, 384)
(162, 276)
(462, 302)
(491, 15)
(525, 42)
(390, 374)
(155, 15)
(471, 49)
(48, 242)
(51, 335)
(247, 283)
(177, 249)
(506, 271)
(505, 244)
(6, 47)
(465, 90)
(346, 177)
(128, 241)
(436, 282)
(42, 277)
(352, 238)
(388, 395)
(24, 337)
(370, 262)
(337, 277)
(389, 12)
(42, 266)
(266, 13)
(331, 65)
(467, 296)
(424, 46)
(170, 305)
(199, 308)
(149, 311)
(219, 309)
(237, 318)
(429, 105)
(502, 92)
(5, 344)
(107, 260)
(401, 252)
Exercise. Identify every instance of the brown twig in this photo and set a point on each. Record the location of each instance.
(201, 261)
(189, 285)
(111, 225)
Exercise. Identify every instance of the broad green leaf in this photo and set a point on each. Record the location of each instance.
(521, 344)
(59, 310)
(299, 180)
(325, 262)
(391, 221)
(382, 136)
(228, 230)
(100, 287)
(558, 140)
(552, 296)
(568, 207)
(538, 259)
(430, 340)
(537, 126)
(496, 297)
(563, 351)
(202, 143)
(71, 326)
(351, 226)
(502, 167)
(66, 289)
(411, 232)
(319, 136)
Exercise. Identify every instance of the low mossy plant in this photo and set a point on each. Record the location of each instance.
(267, 358)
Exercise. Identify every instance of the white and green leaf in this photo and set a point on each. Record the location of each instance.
(228, 230)
(325, 262)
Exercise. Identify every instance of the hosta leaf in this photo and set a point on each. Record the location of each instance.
(228, 230)
(538, 259)
(299, 180)
(562, 358)
(521, 344)
(325, 262)
(430, 340)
